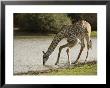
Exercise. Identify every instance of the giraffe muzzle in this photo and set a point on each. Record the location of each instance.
(43, 63)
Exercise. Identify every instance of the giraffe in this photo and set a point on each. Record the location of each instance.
(80, 30)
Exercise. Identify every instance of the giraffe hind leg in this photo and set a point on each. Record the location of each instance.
(88, 47)
(86, 57)
(78, 55)
(82, 47)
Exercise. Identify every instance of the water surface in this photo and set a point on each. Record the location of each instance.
(28, 53)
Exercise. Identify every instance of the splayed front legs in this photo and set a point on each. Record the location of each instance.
(69, 45)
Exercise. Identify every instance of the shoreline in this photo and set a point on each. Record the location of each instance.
(32, 34)
(84, 67)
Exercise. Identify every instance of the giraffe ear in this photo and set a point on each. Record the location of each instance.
(43, 52)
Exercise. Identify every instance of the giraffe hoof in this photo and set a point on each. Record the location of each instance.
(85, 62)
(56, 63)
(69, 63)
(74, 63)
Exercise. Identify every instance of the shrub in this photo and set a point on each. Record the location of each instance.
(43, 22)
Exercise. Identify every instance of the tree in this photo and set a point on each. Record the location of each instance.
(43, 22)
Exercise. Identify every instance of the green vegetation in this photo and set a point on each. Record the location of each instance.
(42, 22)
(50, 22)
(89, 68)
(93, 34)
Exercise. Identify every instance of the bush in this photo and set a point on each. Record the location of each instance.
(43, 22)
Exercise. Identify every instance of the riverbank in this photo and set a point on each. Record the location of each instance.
(34, 34)
(89, 68)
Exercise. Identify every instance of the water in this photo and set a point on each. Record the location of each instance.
(28, 53)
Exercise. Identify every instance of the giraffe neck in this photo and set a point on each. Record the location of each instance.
(54, 43)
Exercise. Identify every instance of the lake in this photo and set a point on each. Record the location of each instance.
(28, 53)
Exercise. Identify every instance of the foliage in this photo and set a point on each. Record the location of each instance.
(43, 22)
(51, 22)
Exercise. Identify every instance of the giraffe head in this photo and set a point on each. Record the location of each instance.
(45, 57)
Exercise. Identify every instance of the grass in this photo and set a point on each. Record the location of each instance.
(89, 68)
(93, 34)
(82, 69)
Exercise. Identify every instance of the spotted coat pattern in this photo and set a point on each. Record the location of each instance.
(74, 32)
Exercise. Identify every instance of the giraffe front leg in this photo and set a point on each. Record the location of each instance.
(69, 61)
(58, 56)
(61, 47)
